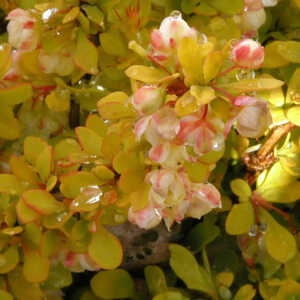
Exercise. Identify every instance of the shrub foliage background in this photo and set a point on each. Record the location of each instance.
(150, 111)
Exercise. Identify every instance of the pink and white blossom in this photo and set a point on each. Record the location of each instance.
(254, 118)
(171, 31)
(147, 99)
(22, 33)
(248, 54)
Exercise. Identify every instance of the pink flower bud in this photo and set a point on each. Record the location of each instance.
(254, 119)
(171, 31)
(146, 218)
(248, 54)
(147, 99)
(21, 30)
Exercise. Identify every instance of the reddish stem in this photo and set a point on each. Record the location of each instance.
(224, 92)
(227, 71)
(258, 201)
(159, 64)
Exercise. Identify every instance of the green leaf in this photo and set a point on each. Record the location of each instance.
(280, 243)
(292, 267)
(95, 123)
(240, 219)
(126, 161)
(186, 268)
(5, 59)
(86, 54)
(59, 277)
(170, 295)
(10, 259)
(105, 249)
(36, 267)
(273, 58)
(26, 214)
(202, 234)
(89, 140)
(33, 147)
(246, 292)
(41, 202)
(44, 163)
(16, 94)
(156, 280)
(293, 92)
(114, 284)
(94, 14)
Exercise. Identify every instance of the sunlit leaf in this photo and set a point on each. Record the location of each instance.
(114, 284)
(155, 279)
(246, 292)
(105, 249)
(10, 259)
(145, 74)
(89, 140)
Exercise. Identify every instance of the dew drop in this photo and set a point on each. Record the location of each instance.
(244, 74)
(175, 14)
(253, 231)
(218, 142)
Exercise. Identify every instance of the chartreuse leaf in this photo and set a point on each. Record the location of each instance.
(186, 104)
(293, 114)
(114, 43)
(44, 163)
(240, 188)
(246, 292)
(10, 128)
(113, 284)
(203, 94)
(240, 219)
(22, 170)
(41, 202)
(32, 235)
(131, 180)
(49, 242)
(24, 213)
(273, 58)
(9, 184)
(293, 92)
(86, 54)
(105, 249)
(280, 243)
(145, 74)
(10, 259)
(289, 289)
(5, 59)
(228, 7)
(16, 94)
(156, 280)
(114, 106)
(187, 269)
(212, 65)
(89, 140)
(33, 147)
(290, 50)
(250, 85)
(73, 183)
(197, 171)
(36, 267)
(87, 200)
(59, 100)
(103, 173)
(21, 288)
(59, 277)
(292, 267)
(125, 161)
(95, 123)
(170, 295)
(94, 14)
(4, 295)
(191, 55)
(277, 185)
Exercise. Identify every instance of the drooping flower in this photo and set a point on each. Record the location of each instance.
(22, 33)
(254, 119)
(171, 31)
(147, 99)
(204, 197)
(248, 54)
(146, 218)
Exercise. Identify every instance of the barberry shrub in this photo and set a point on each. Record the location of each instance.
(179, 114)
